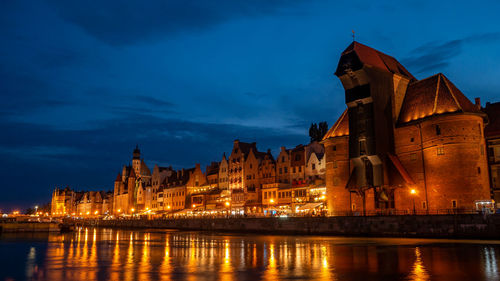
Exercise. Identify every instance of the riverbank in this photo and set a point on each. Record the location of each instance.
(431, 226)
(30, 227)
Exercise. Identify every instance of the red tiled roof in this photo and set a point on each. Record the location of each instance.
(433, 96)
(340, 128)
(372, 57)
(493, 112)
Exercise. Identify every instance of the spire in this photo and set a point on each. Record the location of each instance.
(118, 178)
(137, 152)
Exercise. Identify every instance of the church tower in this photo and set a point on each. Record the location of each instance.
(136, 160)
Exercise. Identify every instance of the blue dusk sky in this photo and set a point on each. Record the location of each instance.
(83, 82)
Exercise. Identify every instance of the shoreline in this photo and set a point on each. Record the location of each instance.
(429, 226)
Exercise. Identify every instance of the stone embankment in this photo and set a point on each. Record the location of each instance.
(435, 226)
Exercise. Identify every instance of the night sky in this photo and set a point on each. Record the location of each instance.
(83, 82)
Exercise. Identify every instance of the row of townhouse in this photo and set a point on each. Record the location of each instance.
(67, 202)
(247, 182)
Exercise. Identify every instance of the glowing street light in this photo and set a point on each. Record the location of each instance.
(227, 204)
(194, 206)
(413, 192)
(132, 210)
(271, 200)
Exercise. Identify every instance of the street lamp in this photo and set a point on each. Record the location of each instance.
(413, 192)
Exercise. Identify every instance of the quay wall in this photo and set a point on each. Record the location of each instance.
(29, 227)
(435, 226)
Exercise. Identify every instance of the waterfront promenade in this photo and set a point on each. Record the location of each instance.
(471, 226)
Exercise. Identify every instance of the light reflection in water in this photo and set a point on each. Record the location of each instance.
(89, 254)
(418, 272)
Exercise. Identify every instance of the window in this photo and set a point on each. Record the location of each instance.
(412, 139)
(335, 164)
(300, 169)
(440, 150)
(424, 205)
(314, 166)
(413, 157)
(438, 130)
(297, 157)
(335, 181)
(283, 159)
(478, 170)
(286, 170)
(281, 171)
(250, 166)
(293, 170)
(453, 204)
(334, 148)
(353, 207)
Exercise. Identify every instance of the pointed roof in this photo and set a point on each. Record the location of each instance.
(132, 173)
(118, 178)
(374, 58)
(435, 95)
(144, 169)
(340, 128)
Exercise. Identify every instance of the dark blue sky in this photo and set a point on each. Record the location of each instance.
(83, 81)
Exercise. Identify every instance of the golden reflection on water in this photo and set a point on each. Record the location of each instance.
(109, 254)
(418, 272)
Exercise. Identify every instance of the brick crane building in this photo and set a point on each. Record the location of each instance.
(402, 144)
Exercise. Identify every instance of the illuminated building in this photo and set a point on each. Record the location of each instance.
(399, 133)
(132, 188)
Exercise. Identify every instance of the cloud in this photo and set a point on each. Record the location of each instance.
(130, 22)
(434, 56)
(90, 158)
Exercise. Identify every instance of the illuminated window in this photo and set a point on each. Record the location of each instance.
(353, 207)
(440, 150)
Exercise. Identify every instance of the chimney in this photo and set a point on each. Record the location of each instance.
(477, 101)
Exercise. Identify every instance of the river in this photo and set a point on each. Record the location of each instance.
(112, 254)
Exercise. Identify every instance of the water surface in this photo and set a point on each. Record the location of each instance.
(111, 254)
